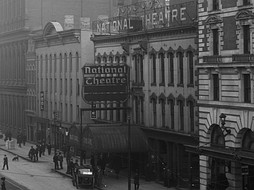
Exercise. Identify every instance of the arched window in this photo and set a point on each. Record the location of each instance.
(65, 62)
(180, 68)
(217, 137)
(55, 63)
(190, 68)
(61, 63)
(163, 113)
(162, 69)
(77, 61)
(248, 141)
(170, 69)
(153, 61)
(153, 100)
(70, 62)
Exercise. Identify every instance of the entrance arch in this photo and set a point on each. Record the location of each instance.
(217, 165)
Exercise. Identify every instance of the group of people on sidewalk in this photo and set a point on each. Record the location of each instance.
(58, 160)
(38, 151)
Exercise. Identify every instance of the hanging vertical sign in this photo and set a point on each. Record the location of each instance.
(42, 100)
(105, 83)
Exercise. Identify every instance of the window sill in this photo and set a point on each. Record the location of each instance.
(190, 85)
(162, 84)
(171, 84)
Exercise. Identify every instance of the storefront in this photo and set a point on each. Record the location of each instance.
(110, 140)
(169, 162)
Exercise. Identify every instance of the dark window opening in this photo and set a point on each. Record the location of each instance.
(216, 89)
(246, 2)
(215, 5)
(247, 88)
(215, 42)
(246, 39)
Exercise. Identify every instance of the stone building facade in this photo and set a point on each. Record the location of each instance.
(225, 93)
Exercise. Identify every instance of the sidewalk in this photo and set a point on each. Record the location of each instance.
(109, 181)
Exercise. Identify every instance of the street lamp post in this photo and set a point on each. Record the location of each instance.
(129, 151)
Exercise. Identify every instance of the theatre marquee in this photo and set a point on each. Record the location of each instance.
(105, 83)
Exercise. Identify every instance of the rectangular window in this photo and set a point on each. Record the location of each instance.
(55, 85)
(247, 88)
(215, 42)
(246, 39)
(215, 5)
(77, 62)
(70, 62)
(61, 63)
(77, 88)
(70, 87)
(65, 86)
(65, 63)
(61, 86)
(246, 2)
(55, 61)
(216, 87)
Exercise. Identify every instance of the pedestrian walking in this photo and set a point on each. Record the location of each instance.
(32, 153)
(60, 159)
(55, 160)
(36, 153)
(5, 162)
(3, 183)
(49, 148)
(70, 167)
(136, 181)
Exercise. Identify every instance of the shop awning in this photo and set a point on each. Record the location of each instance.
(110, 138)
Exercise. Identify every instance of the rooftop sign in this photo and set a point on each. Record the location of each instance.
(105, 83)
(144, 16)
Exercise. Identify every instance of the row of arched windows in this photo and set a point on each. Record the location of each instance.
(171, 64)
(173, 112)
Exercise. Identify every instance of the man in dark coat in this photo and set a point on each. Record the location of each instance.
(5, 162)
(60, 159)
(3, 183)
(55, 160)
(49, 148)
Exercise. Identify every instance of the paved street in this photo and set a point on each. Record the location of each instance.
(40, 175)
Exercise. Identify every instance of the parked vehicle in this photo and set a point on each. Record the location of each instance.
(83, 176)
